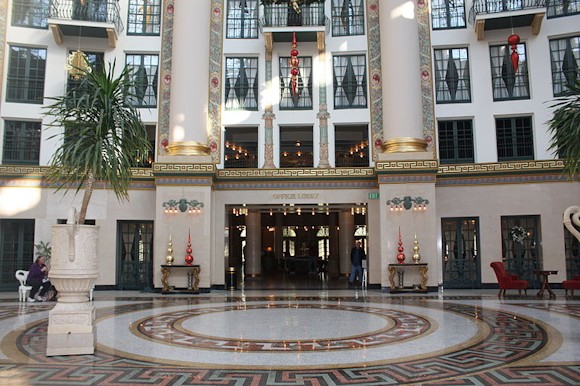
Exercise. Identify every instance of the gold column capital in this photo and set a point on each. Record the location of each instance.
(188, 148)
(404, 145)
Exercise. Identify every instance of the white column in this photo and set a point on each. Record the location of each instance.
(401, 73)
(190, 71)
(253, 243)
(345, 240)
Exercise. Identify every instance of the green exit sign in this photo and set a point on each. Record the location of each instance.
(374, 195)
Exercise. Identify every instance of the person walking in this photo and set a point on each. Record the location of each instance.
(357, 255)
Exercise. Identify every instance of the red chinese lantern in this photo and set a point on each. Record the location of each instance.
(294, 62)
(513, 41)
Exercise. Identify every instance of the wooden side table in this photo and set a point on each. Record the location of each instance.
(399, 269)
(192, 277)
(545, 283)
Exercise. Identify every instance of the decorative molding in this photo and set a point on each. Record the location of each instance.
(375, 78)
(292, 184)
(174, 168)
(411, 166)
(296, 173)
(502, 167)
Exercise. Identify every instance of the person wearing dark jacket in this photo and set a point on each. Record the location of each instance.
(37, 278)
(357, 255)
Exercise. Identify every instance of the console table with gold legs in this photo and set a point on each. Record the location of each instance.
(399, 269)
(192, 272)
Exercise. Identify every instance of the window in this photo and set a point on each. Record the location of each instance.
(350, 82)
(241, 147)
(21, 142)
(299, 97)
(25, 80)
(96, 61)
(524, 256)
(145, 72)
(296, 147)
(509, 83)
(514, 138)
(147, 161)
(242, 19)
(351, 146)
(558, 8)
(241, 84)
(16, 249)
(30, 13)
(447, 14)
(348, 17)
(144, 17)
(565, 58)
(455, 141)
(452, 81)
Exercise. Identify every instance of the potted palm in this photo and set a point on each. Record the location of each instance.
(103, 139)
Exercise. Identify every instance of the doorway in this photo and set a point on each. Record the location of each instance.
(461, 253)
(298, 245)
(135, 255)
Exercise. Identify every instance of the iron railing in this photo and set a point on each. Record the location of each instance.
(104, 11)
(483, 7)
(282, 15)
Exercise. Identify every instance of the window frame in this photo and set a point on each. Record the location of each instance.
(26, 140)
(24, 9)
(242, 27)
(559, 78)
(151, 78)
(339, 91)
(154, 22)
(20, 84)
(356, 19)
(252, 93)
(348, 151)
(560, 8)
(451, 143)
(305, 99)
(502, 72)
(520, 138)
(442, 11)
(441, 82)
(234, 146)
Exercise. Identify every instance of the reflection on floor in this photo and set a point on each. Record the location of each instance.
(299, 337)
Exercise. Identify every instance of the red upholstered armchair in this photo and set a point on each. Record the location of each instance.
(507, 280)
(571, 284)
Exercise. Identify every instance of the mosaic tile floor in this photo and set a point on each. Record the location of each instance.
(281, 338)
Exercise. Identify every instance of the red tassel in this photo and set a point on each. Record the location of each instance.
(515, 60)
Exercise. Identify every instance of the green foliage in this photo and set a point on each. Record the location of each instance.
(564, 128)
(103, 133)
(43, 249)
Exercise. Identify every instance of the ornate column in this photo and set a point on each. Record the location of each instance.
(333, 245)
(345, 240)
(268, 116)
(185, 113)
(323, 114)
(253, 244)
(401, 76)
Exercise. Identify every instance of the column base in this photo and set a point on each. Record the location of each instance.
(404, 145)
(71, 332)
(188, 148)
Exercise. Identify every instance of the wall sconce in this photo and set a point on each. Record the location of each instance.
(417, 203)
(182, 205)
(358, 209)
(243, 211)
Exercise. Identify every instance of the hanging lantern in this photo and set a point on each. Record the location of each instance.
(77, 64)
(513, 41)
(294, 62)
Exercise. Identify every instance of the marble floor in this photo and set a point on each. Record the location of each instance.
(303, 337)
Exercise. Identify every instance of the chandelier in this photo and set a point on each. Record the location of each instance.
(77, 64)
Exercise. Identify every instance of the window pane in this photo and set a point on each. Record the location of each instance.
(348, 17)
(350, 81)
(26, 70)
(241, 147)
(21, 142)
(145, 73)
(565, 58)
(509, 83)
(296, 147)
(30, 13)
(452, 80)
(514, 138)
(446, 14)
(351, 146)
(241, 84)
(300, 97)
(242, 19)
(456, 141)
(558, 8)
(144, 17)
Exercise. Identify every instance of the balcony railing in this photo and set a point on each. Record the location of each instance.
(481, 7)
(102, 11)
(283, 15)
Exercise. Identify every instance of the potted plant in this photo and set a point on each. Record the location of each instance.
(103, 139)
(44, 249)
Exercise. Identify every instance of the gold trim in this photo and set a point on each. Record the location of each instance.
(295, 173)
(404, 145)
(510, 166)
(188, 148)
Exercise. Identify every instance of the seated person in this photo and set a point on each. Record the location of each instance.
(38, 280)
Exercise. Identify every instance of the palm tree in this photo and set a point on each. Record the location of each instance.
(565, 129)
(103, 137)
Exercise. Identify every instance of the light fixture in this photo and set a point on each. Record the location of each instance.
(77, 63)
(243, 211)
(358, 209)
(182, 205)
(407, 202)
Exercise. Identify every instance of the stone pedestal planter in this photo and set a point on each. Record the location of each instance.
(74, 269)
